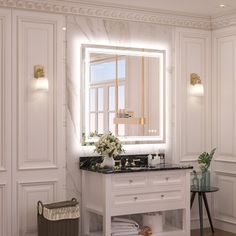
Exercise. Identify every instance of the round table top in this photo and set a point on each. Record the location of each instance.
(204, 189)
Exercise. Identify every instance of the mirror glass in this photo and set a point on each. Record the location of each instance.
(123, 93)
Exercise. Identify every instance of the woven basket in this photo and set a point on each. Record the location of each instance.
(59, 218)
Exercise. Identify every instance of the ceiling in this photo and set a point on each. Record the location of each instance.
(196, 7)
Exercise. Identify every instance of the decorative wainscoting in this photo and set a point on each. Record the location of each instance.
(38, 123)
(3, 210)
(223, 126)
(193, 116)
(224, 201)
(224, 119)
(28, 195)
(32, 137)
(36, 44)
(5, 122)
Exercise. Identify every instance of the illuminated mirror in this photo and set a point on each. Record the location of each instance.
(124, 93)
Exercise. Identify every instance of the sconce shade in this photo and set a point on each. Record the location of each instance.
(196, 90)
(41, 84)
(196, 86)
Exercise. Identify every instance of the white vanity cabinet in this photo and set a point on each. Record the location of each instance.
(118, 194)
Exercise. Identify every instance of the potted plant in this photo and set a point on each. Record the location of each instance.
(108, 146)
(204, 160)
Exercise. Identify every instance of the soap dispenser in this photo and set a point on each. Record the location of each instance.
(149, 160)
(161, 154)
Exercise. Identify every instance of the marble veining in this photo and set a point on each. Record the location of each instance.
(91, 30)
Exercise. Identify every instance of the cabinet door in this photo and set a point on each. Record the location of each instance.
(5, 122)
(38, 116)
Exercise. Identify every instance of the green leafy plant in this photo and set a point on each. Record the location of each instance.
(204, 160)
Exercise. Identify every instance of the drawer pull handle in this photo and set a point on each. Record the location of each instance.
(167, 178)
(162, 196)
(130, 181)
(135, 198)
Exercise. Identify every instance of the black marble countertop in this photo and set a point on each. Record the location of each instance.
(90, 164)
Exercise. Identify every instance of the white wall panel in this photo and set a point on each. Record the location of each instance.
(5, 122)
(226, 73)
(224, 96)
(224, 200)
(1, 92)
(36, 45)
(5, 83)
(38, 117)
(29, 194)
(223, 127)
(3, 209)
(192, 113)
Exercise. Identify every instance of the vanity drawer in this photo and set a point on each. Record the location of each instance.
(127, 200)
(166, 179)
(129, 181)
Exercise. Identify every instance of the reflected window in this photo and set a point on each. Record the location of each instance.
(105, 70)
(102, 94)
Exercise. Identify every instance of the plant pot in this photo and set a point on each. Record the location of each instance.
(108, 161)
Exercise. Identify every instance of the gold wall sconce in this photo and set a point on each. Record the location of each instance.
(196, 87)
(41, 82)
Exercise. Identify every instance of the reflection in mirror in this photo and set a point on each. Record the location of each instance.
(124, 93)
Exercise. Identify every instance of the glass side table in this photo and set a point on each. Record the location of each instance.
(202, 195)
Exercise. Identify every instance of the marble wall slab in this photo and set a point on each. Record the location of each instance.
(88, 30)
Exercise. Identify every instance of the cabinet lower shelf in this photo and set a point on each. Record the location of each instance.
(168, 230)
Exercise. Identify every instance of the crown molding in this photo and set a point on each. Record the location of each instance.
(111, 12)
(117, 12)
(223, 21)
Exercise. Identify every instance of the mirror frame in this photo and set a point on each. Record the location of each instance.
(117, 50)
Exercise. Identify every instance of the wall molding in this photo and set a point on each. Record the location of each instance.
(119, 12)
(2, 90)
(28, 159)
(225, 173)
(191, 116)
(228, 217)
(2, 206)
(28, 193)
(112, 12)
(223, 21)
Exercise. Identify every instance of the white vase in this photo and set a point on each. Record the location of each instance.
(108, 161)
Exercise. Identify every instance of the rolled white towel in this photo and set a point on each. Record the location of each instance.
(124, 220)
(123, 224)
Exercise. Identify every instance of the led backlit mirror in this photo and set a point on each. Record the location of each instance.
(124, 93)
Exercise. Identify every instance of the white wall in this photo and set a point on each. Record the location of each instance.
(32, 124)
(193, 114)
(223, 126)
(192, 119)
(5, 122)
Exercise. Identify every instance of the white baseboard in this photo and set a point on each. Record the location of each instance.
(225, 226)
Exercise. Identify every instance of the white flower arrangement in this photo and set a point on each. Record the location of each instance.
(108, 145)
